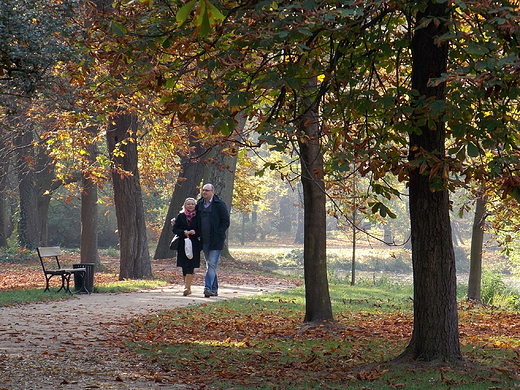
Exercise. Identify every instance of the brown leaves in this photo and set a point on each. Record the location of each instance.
(371, 375)
(260, 342)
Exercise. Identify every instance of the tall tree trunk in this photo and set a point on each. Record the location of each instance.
(134, 255)
(220, 171)
(317, 299)
(187, 185)
(243, 230)
(298, 238)
(477, 242)
(285, 215)
(89, 218)
(436, 333)
(4, 224)
(44, 177)
(28, 220)
(89, 210)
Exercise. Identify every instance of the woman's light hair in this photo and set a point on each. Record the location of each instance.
(186, 201)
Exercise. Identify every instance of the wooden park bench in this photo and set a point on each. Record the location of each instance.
(46, 253)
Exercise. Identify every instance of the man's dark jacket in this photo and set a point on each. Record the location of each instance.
(219, 222)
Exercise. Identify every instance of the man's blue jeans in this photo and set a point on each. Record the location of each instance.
(212, 258)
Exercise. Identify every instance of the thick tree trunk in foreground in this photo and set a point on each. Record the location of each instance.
(477, 242)
(134, 255)
(435, 334)
(317, 298)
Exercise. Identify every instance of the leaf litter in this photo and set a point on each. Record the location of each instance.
(245, 349)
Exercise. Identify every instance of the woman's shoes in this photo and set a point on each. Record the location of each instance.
(187, 284)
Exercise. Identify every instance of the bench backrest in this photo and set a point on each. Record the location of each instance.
(49, 251)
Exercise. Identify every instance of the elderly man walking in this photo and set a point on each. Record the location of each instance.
(214, 221)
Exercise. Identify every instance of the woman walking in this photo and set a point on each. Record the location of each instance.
(186, 226)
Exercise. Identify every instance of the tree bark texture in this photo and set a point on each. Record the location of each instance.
(298, 239)
(435, 334)
(28, 221)
(89, 218)
(220, 171)
(4, 220)
(318, 307)
(44, 177)
(89, 211)
(187, 185)
(477, 243)
(134, 255)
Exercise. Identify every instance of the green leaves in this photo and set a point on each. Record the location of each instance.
(184, 12)
(472, 150)
(206, 16)
(117, 28)
(384, 211)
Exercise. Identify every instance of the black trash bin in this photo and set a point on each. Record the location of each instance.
(84, 286)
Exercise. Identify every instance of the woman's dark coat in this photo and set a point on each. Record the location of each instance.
(180, 225)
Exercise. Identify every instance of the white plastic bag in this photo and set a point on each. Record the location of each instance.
(188, 248)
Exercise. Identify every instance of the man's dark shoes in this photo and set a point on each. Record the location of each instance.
(208, 294)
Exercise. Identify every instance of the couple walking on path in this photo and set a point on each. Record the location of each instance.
(204, 223)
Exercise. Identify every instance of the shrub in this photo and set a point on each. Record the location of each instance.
(16, 255)
(495, 292)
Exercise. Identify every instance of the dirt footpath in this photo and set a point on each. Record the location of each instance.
(69, 344)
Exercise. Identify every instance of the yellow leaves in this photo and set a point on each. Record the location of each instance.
(77, 80)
